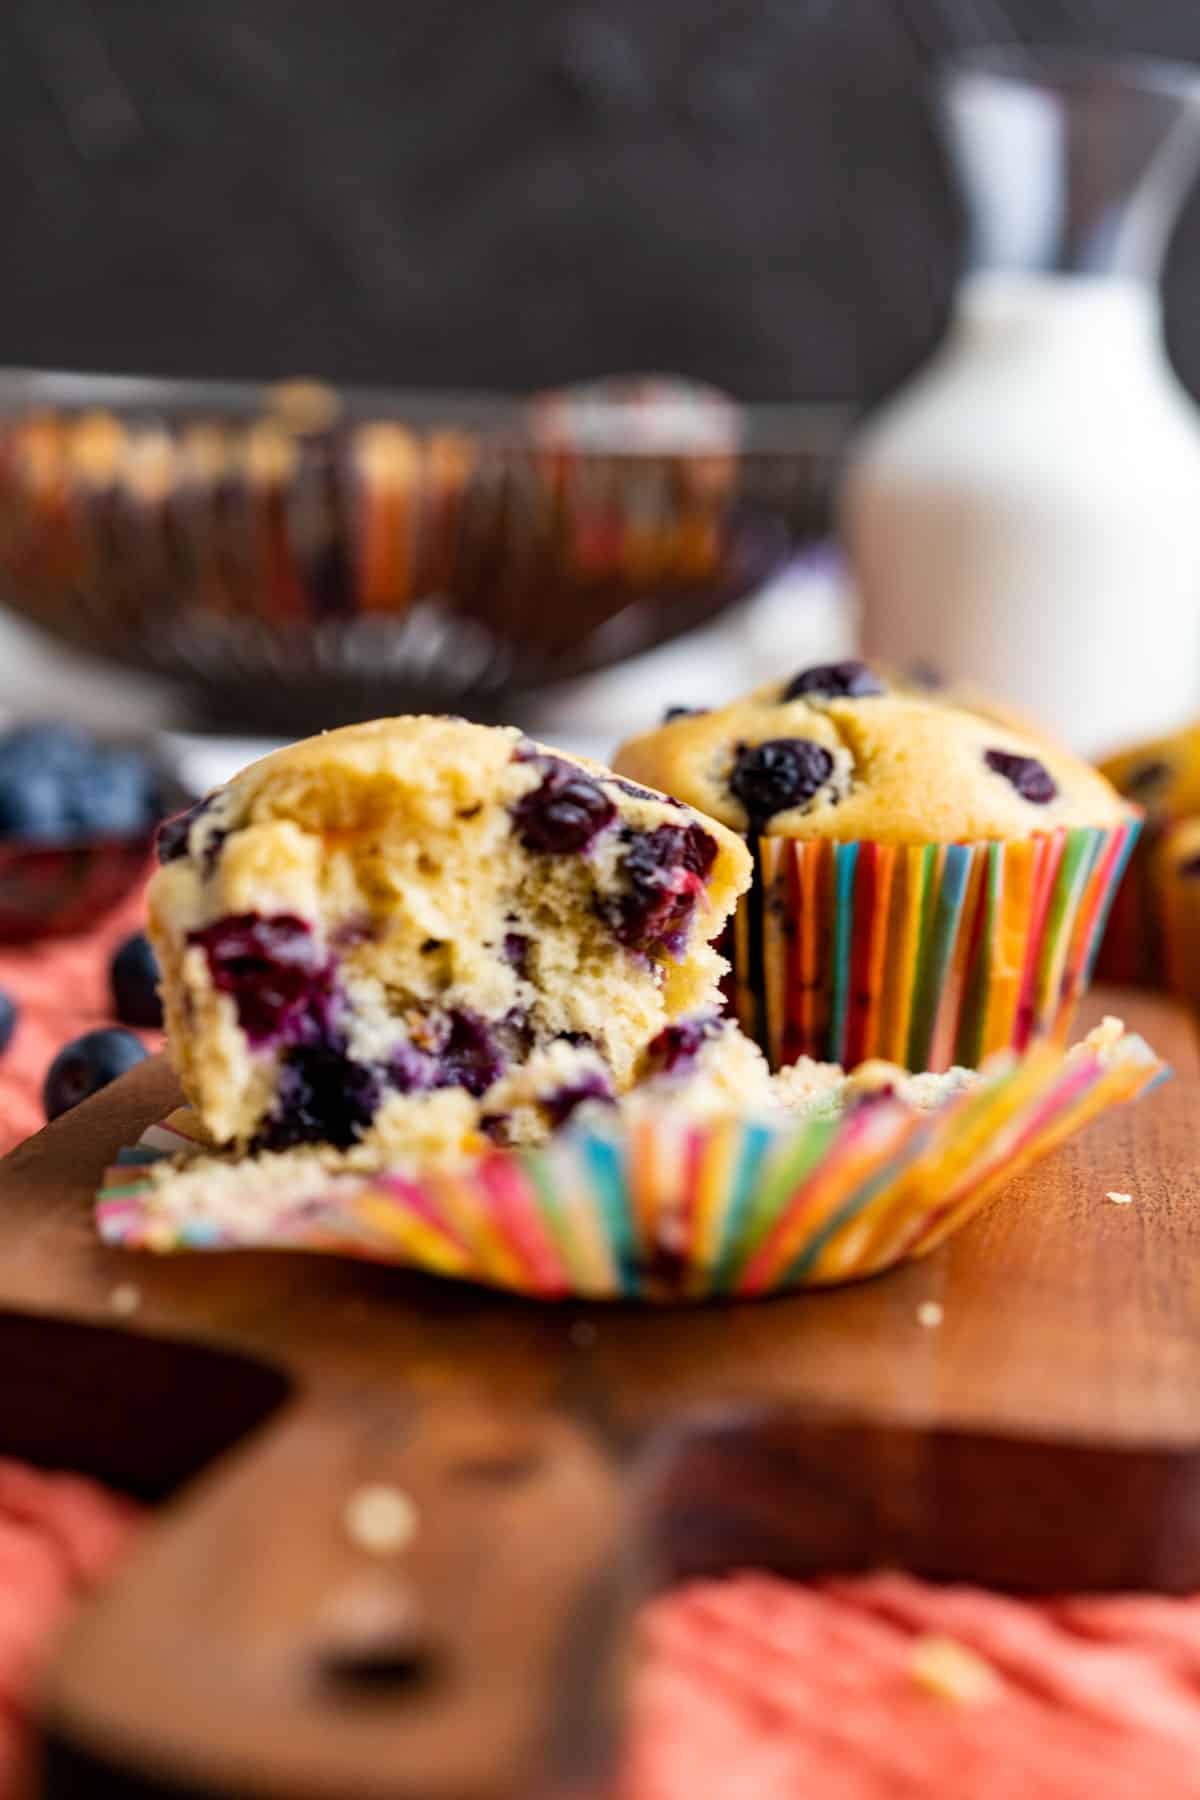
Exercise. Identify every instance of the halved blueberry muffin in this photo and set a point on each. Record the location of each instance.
(419, 908)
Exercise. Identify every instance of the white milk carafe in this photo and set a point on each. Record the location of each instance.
(1025, 513)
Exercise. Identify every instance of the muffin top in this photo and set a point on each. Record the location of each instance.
(431, 773)
(1163, 775)
(835, 752)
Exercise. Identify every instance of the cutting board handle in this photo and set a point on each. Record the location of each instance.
(369, 1585)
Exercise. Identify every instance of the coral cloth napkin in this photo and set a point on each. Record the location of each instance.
(881, 1688)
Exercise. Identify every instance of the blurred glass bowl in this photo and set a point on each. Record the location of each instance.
(292, 555)
(56, 890)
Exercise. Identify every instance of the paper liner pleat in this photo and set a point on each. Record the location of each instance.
(926, 955)
(661, 1207)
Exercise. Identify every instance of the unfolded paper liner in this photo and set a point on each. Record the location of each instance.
(926, 955)
(659, 1207)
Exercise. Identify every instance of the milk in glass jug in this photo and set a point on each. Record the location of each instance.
(1025, 513)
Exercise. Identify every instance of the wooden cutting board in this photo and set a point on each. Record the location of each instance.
(558, 1462)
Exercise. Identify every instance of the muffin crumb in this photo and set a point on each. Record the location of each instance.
(380, 1519)
(948, 1669)
(125, 1299)
(930, 1314)
(1119, 1199)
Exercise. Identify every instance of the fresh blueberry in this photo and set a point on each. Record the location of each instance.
(57, 785)
(43, 746)
(270, 967)
(8, 1019)
(564, 814)
(86, 1065)
(665, 871)
(32, 806)
(133, 975)
(1031, 779)
(829, 681)
(773, 777)
(113, 795)
(323, 1097)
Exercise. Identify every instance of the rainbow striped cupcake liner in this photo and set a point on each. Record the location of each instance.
(656, 1208)
(925, 954)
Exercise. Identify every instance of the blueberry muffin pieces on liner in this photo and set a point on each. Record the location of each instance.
(708, 1179)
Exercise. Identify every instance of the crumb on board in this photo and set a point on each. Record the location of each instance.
(1119, 1199)
(930, 1313)
(125, 1299)
(380, 1519)
(944, 1667)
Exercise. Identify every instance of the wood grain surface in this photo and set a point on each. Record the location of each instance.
(562, 1460)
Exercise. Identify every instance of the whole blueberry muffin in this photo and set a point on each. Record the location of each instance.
(931, 881)
(1162, 776)
(1143, 943)
(1173, 867)
(400, 916)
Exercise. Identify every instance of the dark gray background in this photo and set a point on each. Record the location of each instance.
(503, 192)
